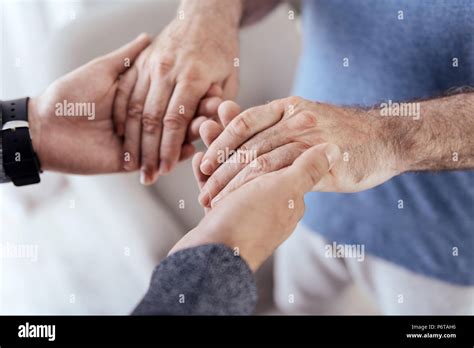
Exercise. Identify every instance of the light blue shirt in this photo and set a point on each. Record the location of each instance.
(399, 56)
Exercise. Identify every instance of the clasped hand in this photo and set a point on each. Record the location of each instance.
(84, 145)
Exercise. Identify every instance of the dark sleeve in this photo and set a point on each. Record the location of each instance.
(204, 280)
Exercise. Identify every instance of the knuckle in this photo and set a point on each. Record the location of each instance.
(164, 65)
(276, 105)
(302, 146)
(135, 110)
(151, 123)
(278, 101)
(245, 149)
(293, 100)
(239, 127)
(192, 74)
(297, 148)
(262, 164)
(304, 120)
(174, 122)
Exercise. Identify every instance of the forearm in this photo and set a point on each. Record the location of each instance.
(393, 138)
(441, 139)
(234, 12)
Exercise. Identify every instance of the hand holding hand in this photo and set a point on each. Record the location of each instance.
(257, 217)
(191, 59)
(275, 134)
(71, 123)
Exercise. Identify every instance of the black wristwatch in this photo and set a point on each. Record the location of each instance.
(20, 162)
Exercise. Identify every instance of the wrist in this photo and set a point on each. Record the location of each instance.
(211, 231)
(34, 121)
(394, 137)
(227, 12)
(216, 229)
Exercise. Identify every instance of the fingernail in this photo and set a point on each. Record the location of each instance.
(206, 167)
(155, 177)
(332, 153)
(141, 36)
(164, 168)
(215, 200)
(204, 198)
(144, 179)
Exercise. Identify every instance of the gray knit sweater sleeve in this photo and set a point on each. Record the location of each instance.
(204, 280)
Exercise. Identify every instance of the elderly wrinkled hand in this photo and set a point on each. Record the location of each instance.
(163, 92)
(269, 137)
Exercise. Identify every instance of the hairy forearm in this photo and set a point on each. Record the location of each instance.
(235, 12)
(441, 138)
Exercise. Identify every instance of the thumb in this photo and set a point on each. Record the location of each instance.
(309, 168)
(122, 58)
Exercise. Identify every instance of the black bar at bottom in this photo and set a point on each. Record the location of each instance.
(413, 330)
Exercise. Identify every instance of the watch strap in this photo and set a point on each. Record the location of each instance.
(14, 110)
(20, 162)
